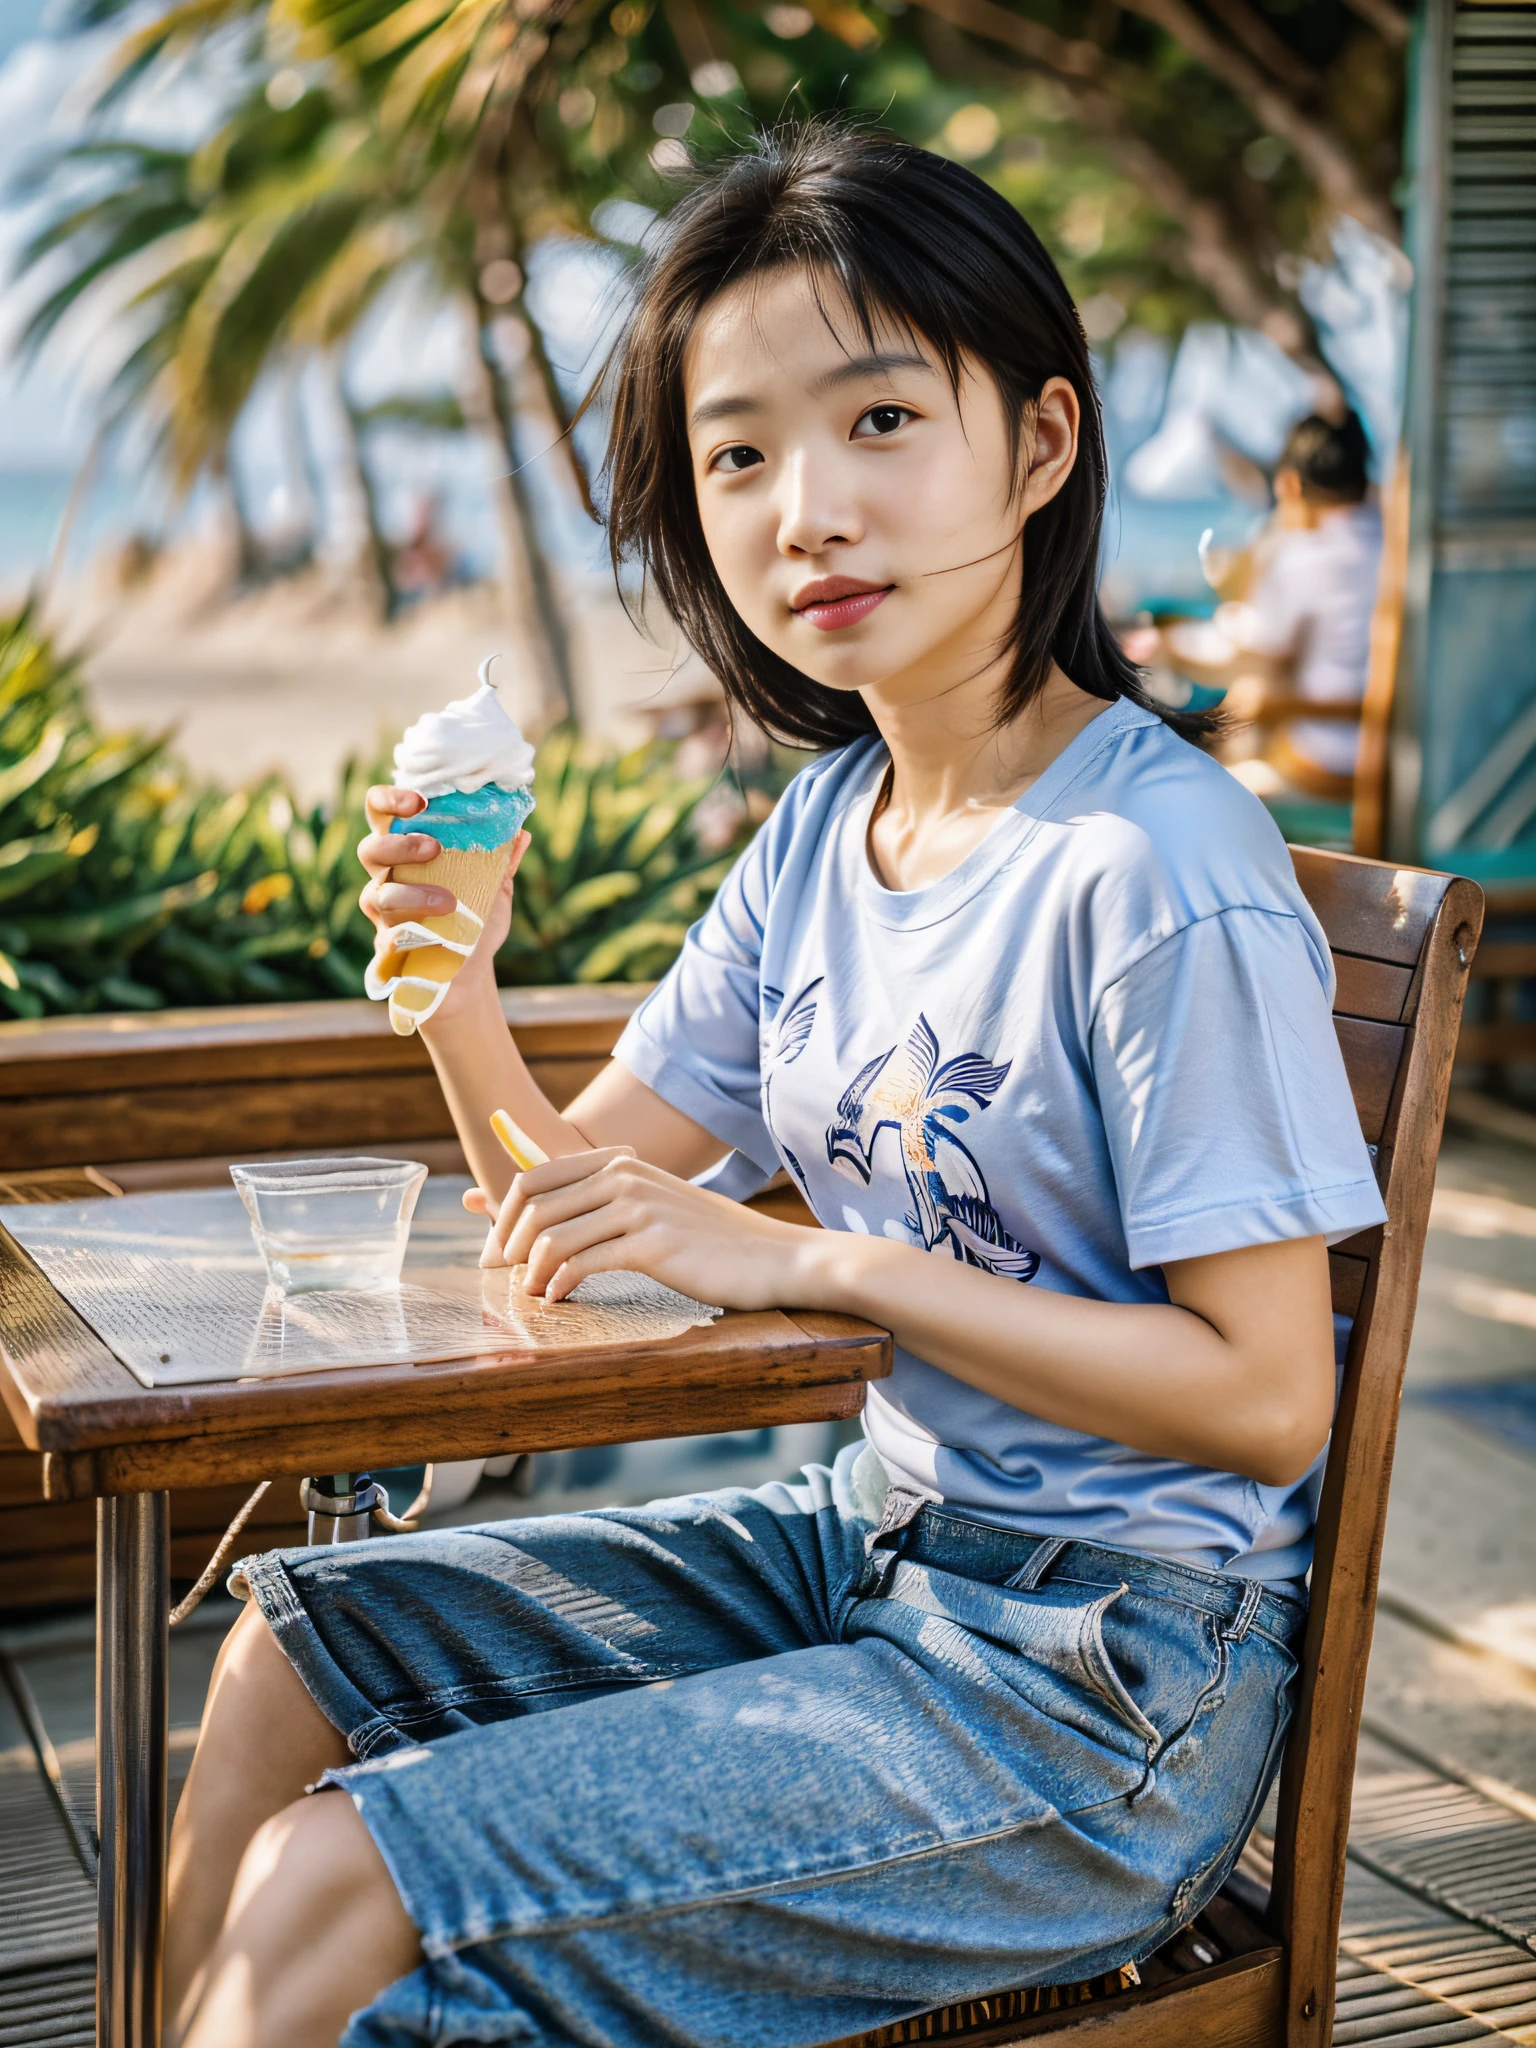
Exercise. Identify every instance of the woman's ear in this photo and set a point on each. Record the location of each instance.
(1050, 443)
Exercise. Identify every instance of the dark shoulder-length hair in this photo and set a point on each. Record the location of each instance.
(912, 240)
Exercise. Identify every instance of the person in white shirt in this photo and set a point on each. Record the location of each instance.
(1303, 634)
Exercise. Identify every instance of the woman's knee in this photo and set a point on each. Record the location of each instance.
(297, 1865)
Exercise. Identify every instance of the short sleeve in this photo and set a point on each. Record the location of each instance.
(694, 1039)
(1226, 1106)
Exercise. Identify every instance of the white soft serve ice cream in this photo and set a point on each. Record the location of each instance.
(467, 744)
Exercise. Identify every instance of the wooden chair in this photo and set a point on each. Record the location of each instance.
(1251, 1972)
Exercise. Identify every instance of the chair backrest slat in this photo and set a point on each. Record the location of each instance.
(1370, 988)
(1402, 941)
(1370, 907)
(1349, 1268)
(1372, 1055)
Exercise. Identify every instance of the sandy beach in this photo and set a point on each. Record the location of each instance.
(296, 677)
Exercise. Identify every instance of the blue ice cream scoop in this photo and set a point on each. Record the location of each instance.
(478, 822)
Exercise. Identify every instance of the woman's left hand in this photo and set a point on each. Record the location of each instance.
(609, 1212)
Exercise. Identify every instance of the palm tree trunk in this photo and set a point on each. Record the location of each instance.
(369, 567)
(525, 577)
(540, 390)
(79, 493)
(300, 478)
(541, 393)
(238, 542)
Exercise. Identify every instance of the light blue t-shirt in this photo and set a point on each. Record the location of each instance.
(1101, 1042)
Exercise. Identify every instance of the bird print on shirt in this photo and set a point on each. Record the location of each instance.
(908, 1091)
(795, 1023)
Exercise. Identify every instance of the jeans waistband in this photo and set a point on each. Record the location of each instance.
(1021, 1561)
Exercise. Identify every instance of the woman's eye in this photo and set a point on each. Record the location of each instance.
(734, 460)
(881, 419)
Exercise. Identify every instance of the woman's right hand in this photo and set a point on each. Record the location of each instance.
(386, 902)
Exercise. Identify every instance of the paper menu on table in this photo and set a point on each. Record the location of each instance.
(173, 1284)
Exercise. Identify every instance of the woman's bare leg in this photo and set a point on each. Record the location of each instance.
(315, 1931)
(263, 1741)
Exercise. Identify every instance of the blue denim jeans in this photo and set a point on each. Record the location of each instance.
(707, 1773)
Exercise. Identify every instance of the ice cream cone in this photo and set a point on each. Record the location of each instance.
(474, 768)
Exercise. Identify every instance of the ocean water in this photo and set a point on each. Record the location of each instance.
(32, 503)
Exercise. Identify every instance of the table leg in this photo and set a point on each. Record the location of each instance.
(133, 1541)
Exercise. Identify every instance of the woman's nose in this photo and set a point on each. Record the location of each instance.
(815, 508)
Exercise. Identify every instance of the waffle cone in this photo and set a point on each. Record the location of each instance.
(474, 876)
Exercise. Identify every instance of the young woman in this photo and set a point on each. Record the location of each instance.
(1019, 988)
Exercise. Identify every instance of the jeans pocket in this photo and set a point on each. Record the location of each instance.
(1099, 1668)
(1068, 1639)
(1160, 1662)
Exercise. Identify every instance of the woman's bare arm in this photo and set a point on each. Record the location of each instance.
(481, 1070)
(1235, 1372)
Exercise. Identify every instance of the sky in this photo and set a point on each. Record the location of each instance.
(40, 427)
(19, 20)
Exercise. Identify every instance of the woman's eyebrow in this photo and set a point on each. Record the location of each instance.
(878, 363)
(722, 409)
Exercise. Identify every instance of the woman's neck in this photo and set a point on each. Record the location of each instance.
(952, 775)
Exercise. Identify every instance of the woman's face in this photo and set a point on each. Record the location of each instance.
(863, 517)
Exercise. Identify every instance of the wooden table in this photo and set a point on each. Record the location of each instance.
(102, 1434)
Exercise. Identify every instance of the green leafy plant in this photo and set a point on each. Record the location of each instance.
(126, 885)
(619, 866)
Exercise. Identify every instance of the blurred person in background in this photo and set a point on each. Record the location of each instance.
(1301, 634)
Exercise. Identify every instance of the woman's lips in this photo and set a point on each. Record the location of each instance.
(830, 613)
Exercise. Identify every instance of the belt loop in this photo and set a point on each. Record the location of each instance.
(902, 1508)
(1253, 1593)
(1037, 1565)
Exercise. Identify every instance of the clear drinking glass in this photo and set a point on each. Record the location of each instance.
(327, 1223)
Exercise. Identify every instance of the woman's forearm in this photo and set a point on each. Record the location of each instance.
(1162, 1378)
(480, 1070)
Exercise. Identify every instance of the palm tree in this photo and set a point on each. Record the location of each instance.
(194, 255)
(417, 233)
(278, 231)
